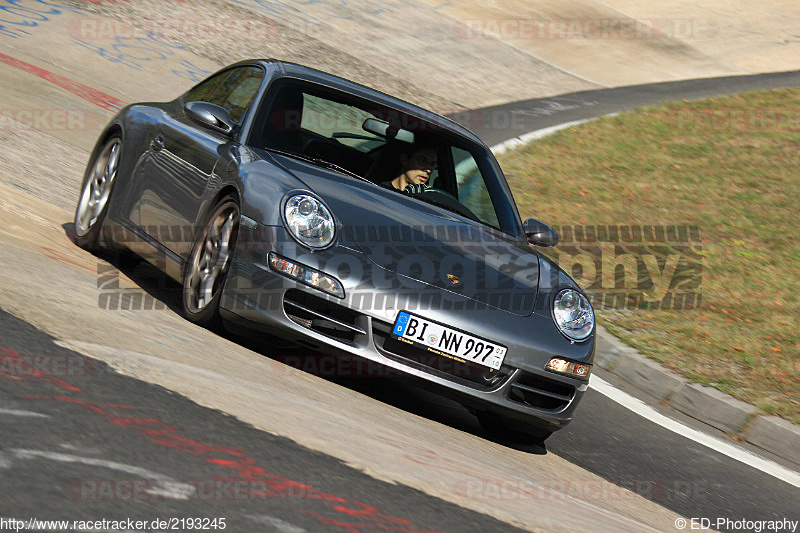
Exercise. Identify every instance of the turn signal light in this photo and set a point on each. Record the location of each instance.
(568, 368)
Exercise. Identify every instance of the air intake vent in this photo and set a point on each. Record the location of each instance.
(323, 316)
(540, 392)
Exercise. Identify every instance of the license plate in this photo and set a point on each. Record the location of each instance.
(445, 340)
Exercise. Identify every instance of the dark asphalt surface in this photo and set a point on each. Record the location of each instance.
(682, 475)
(81, 442)
(499, 123)
(624, 448)
(80, 461)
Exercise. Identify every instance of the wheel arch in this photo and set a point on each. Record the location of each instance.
(205, 211)
(226, 190)
(110, 131)
(209, 204)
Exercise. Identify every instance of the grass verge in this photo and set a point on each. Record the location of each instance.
(729, 166)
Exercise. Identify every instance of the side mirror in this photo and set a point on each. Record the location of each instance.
(210, 115)
(539, 233)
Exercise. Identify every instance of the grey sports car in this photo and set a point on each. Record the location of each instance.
(293, 201)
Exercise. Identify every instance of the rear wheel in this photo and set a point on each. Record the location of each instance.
(208, 264)
(98, 183)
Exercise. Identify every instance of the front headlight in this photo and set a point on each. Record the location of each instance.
(309, 221)
(573, 314)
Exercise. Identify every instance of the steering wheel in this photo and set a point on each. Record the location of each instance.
(446, 199)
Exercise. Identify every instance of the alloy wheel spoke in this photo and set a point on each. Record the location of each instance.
(224, 248)
(207, 287)
(98, 187)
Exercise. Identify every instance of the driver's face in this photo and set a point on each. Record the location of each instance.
(419, 166)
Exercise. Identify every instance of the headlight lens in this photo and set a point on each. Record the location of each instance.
(309, 221)
(573, 314)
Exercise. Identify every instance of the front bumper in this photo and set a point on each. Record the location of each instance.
(361, 324)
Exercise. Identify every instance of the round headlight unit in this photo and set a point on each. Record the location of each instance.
(309, 221)
(573, 314)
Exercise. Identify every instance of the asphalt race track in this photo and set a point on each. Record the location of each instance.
(109, 413)
(114, 441)
(498, 124)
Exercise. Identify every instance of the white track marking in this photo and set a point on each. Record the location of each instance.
(528, 138)
(718, 445)
(174, 490)
(18, 412)
(276, 524)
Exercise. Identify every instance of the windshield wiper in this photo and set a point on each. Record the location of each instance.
(320, 162)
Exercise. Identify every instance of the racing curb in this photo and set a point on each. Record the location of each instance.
(710, 406)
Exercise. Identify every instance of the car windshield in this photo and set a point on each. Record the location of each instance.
(380, 144)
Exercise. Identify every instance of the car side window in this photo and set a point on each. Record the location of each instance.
(204, 91)
(472, 191)
(234, 89)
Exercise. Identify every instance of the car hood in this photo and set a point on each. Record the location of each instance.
(425, 243)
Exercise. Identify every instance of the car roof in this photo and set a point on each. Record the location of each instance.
(294, 70)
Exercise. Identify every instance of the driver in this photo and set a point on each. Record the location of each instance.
(416, 165)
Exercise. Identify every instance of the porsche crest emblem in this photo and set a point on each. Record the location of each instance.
(453, 279)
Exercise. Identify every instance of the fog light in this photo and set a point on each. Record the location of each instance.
(306, 275)
(569, 368)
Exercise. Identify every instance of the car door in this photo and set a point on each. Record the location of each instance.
(181, 172)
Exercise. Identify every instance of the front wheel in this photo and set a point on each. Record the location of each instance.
(208, 264)
(98, 183)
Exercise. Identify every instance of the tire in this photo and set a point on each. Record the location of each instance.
(500, 428)
(208, 265)
(98, 184)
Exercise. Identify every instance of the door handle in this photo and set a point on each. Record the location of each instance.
(158, 143)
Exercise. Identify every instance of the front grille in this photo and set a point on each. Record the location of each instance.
(540, 392)
(323, 316)
(467, 373)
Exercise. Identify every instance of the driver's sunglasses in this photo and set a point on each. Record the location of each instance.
(427, 163)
